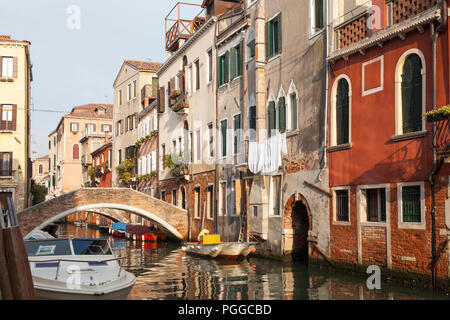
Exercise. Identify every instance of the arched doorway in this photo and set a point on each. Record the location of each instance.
(300, 228)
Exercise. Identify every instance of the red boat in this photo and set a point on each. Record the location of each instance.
(119, 234)
(144, 233)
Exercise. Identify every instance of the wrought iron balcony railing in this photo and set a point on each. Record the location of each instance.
(441, 137)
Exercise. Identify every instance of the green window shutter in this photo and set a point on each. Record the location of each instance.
(241, 59)
(227, 67)
(272, 117)
(411, 204)
(294, 112)
(412, 94)
(342, 113)
(233, 63)
(279, 32)
(282, 114)
(221, 71)
(237, 135)
(252, 122)
(223, 128)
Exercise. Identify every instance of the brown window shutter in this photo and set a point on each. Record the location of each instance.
(15, 67)
(161, 100)
(172, 84)
(1, 60)
(1, 114)
(10, 162)
(181, 80)
(95, 127)
(14, 117)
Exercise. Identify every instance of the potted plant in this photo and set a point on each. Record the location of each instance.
(442, 113)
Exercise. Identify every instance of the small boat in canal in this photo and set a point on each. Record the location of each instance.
(75, 268)
(211, 246)
(119, 229)
(144, 233)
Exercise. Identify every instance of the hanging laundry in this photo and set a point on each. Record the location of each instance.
(266, 157)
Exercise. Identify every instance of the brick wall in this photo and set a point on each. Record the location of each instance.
(33, 217)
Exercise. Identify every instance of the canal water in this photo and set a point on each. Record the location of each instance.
(165, 272)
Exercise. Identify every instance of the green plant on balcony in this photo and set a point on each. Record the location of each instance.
(143, 140)
(180, 170)
(179, 105)
(125, 170)
(95, 172)
(174, 94)
(146, 177)
(442, 113)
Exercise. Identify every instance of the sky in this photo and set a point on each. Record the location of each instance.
(77, 49)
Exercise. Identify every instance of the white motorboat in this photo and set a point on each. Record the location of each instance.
(75, 268)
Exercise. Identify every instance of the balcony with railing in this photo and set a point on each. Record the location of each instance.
(231, 18)
(149, 93)
(179, 27)
(361, 25)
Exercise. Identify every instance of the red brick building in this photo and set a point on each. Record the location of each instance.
(382, 80)
(147, 150)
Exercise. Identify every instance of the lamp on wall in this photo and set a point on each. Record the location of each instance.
(19, 169)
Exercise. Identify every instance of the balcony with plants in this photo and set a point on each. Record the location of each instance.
(441, 133)
(178, 167)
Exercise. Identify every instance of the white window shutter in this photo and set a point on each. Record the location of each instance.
(148, 164)
(154, 161)
(155, 121)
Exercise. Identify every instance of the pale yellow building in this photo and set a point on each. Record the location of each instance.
(15, 163)
(65, 148)
(40, 170)
(135, 87)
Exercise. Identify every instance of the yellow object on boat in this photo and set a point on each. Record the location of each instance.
(211, 238)
(201, 234)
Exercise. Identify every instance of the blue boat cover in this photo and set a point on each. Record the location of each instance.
(120, 226)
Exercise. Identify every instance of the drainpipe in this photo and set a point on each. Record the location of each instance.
(436, 166)
(327, 90)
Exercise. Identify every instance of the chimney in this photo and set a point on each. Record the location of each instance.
(34, 155)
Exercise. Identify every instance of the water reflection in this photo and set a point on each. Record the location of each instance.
(164, 271)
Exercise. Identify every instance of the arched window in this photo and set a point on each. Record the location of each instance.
(412, 94)
(76, 152)
(342, 112)
(41, 169)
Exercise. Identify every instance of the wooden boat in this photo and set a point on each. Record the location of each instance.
(74, 268)
(216, 249)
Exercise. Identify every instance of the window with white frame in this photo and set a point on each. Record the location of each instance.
(120, 97)
(134, 89)
(341, 111)
(293, 111)
(411, 205)
(129, 92)
(73, 126)
(372, 203)
(210, 65)
(317, 16)
(198, 146)
(7, 67)
(223, 137)
(237, 135)
(341, 204)
(210, 202)
(410, 92)
(197, 203)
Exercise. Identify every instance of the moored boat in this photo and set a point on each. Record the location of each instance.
(144, 233)
(210, 246)
(119, 229)
(73, 268)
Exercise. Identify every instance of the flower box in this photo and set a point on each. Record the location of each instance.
(440, 114)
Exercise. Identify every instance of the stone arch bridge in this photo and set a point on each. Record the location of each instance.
(171, 219)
